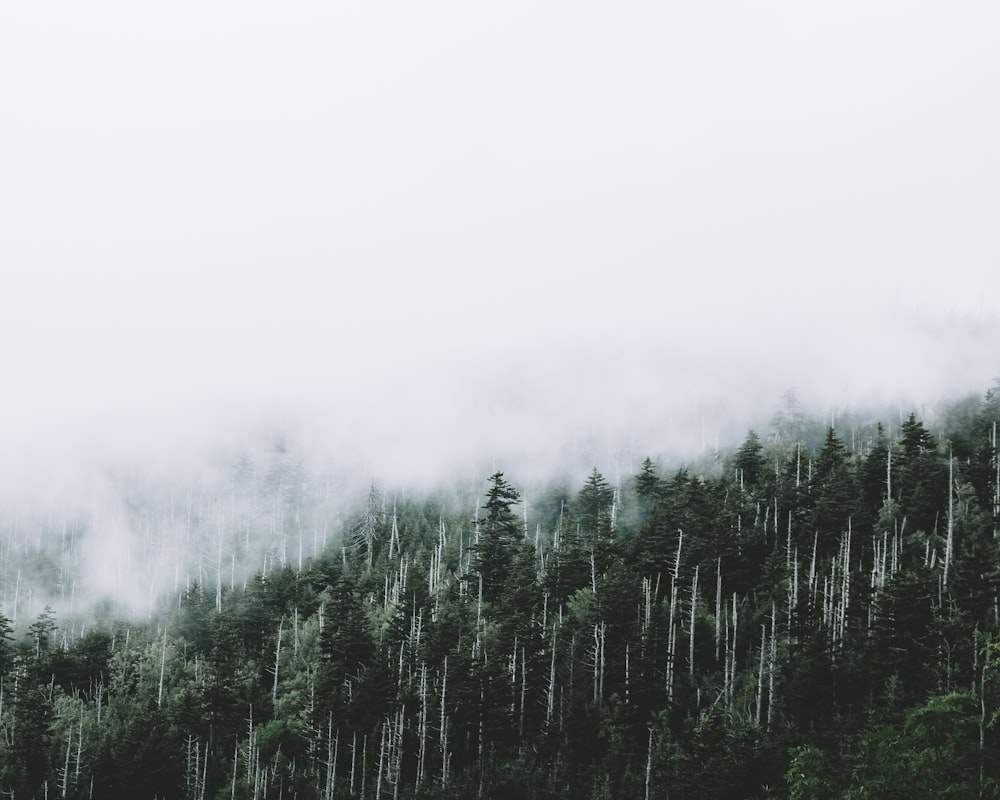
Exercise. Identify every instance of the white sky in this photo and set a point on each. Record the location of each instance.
(455, 226)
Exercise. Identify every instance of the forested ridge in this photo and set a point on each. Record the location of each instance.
(812, 615)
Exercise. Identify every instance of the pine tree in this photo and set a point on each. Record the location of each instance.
(872, 483)
(499, 533)
(834, 491)
(923, 479)
(347, 649)
(6, 647)
(749, 461)
(593, 501)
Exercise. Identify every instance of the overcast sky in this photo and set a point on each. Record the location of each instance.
(462, 225)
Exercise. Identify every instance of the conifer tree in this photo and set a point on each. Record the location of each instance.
(499, 533)
(6, 647)
(923, 479)
(346, 650)
(593, 501)
(833, 489)
(749, 461)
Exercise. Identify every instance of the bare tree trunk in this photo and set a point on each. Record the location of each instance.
(354, 753)
(551, 694)
(888, 472)
(694, 605)
(65, 776)
(204, 775)
(949, 544)
(671, 622)
(277, 661)
(79, 750)
(163, 668)
(771, 662)
(381, 762)
(524, 687)
(718, 606)
(332, 749)
(732, 665)
(982, 715)
(422, 726)
(627, 675)
(996, 484)
(649, 765)
(760, 674)
(236, 758)
(482, 751)
(597, 660)
(396, 762)
(444, 726)
(364, 763)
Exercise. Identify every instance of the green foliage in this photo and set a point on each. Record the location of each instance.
(593, 665)
(935, 754)
(749, 460)
(6, 646)
(810, 775)
(833, 491)
(499, 533)
(593, 502)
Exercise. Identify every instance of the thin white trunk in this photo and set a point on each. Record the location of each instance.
(381, 764)
(277, 662)
(694, 606)
(888, 472)
(996, 484)
(718, 605)
(732, 666)
(354, 754)
(771, 662)
(524, 687)
(949, 544)
(65, 776)
(760, 673)
(79, 750)
(236, 759)
(551, 694)
(444, 726)
(627, 685)
(649, 765)
(422, 725)
(163, 669)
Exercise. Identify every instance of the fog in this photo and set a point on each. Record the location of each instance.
(420, 239)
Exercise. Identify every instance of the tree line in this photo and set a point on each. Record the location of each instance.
(813, 615)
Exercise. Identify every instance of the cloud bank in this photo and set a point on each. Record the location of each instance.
(422, 237)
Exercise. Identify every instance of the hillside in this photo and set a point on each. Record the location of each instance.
(811, 615)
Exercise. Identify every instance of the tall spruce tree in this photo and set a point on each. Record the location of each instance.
(499, 533)
(593, 501)
(834, 490)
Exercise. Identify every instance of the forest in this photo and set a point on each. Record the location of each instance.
(813, 614)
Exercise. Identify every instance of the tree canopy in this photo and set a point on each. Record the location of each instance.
(795, 619)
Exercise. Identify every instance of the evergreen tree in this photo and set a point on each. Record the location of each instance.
(346, 649)
(749, 461)
(6, 647)
(833, 489)
(646, 481)
(923, 479)
(593, 501)
(872, 483)
(500, 531)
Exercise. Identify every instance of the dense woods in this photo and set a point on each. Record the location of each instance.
(813, 615)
